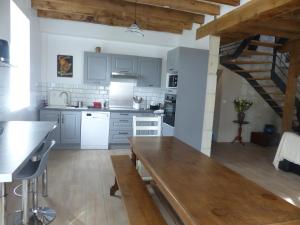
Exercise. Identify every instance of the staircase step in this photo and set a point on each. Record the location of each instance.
(265, 44)
(273, 93)
(265, 86)
(252, 52)
(260, 78)
(253, 71)
(244, 62)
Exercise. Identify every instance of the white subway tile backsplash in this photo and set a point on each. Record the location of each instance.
(90, 93)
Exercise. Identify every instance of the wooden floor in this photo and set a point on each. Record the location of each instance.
(255, 163)
(79, 183)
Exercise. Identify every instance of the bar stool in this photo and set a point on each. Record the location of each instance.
(31, 171)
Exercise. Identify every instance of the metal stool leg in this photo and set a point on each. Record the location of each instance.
(45, 183)
(3, 204)
(25, 210)
(35, 201)
(43, 214)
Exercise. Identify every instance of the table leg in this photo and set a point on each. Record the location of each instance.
(133, 157)
(3, 204)
(114, 188)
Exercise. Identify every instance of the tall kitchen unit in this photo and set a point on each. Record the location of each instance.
(192, 67)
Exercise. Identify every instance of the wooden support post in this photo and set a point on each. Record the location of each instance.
(291, 88)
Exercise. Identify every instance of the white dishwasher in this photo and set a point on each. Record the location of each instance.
(94, 130)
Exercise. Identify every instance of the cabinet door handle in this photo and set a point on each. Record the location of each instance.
(124, 71)
(57, 120)
(62, 119)
(123, 133)
(124, 114)
(126, 121)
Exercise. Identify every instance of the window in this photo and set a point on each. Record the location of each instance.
(20, 58)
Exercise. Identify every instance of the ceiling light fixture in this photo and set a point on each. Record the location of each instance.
(135, 28)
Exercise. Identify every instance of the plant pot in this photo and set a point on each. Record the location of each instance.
(241, 116)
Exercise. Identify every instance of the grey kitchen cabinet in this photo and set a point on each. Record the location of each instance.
(97, 68)
(124, 64)
(192, 80)
(50, 115)
(121, 127)
(149, 70)
(173, 60)
(70, 127)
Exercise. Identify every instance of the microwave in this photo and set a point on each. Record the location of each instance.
(172, 79)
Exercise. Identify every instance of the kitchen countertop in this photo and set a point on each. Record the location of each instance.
(100, 110)
(18, 142)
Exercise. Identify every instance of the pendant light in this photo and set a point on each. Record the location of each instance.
(135, 28)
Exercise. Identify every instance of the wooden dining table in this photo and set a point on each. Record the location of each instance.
(203, 192)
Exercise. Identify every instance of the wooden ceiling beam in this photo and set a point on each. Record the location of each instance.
(253, 10)
(192, 6)
(118, 9)
(226, 2)
(255, 29)
(146, 25)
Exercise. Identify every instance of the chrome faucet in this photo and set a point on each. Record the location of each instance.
(68, 96)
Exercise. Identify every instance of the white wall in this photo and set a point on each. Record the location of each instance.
(229, 87)
(29, 113)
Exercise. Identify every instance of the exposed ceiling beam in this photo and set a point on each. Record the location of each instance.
(117, 11)
(253, 10)
(226, 2)
(192, 6)
(166, 26)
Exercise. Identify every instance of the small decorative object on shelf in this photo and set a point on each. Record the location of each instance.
(241, 106)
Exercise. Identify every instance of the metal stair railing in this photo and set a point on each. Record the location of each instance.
(233, 51)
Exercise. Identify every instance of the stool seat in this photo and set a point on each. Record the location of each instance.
(28, 171)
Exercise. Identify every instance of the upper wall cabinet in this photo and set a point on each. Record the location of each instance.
(124, 64)
(149, 70)
(97, 68)
(173, 60)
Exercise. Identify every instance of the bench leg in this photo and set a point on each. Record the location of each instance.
(114, 188)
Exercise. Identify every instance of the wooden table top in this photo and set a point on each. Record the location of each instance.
(18, 142)
(204, 192)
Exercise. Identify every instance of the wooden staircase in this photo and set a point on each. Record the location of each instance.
(257, 61)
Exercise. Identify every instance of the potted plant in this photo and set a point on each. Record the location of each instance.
(241, 105)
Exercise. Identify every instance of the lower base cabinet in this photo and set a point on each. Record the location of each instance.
(167, 130)
(121, 127)
(68, 125)
(51, 115)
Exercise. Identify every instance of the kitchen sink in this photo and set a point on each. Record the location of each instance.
(64, 107)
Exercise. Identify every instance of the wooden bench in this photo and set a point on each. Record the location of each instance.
(140, 207)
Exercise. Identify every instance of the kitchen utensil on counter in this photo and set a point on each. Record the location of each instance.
(97, 105)
(106, 104)
(79, 104)
(137, 102)
(137, 99)
(98, 49)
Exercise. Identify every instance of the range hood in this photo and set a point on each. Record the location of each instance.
(127, 76)
(4, 54)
